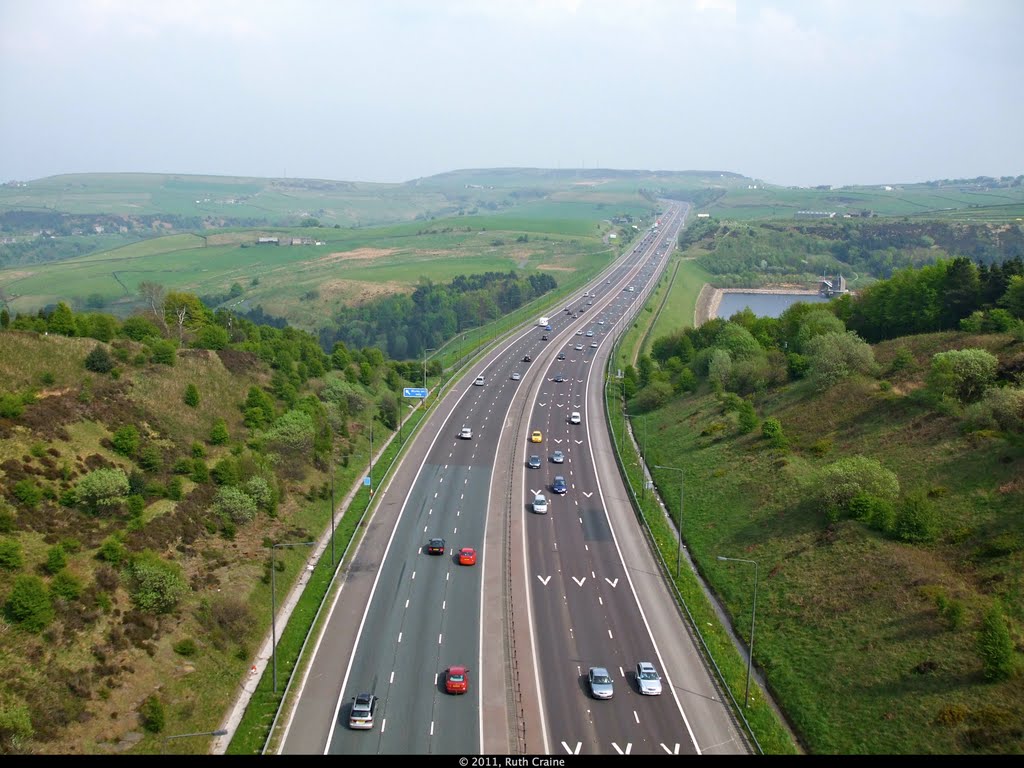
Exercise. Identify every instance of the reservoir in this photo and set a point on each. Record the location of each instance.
(763, 304)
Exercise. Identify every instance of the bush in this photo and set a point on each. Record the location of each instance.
(66, 586)
(11, 557)
(155, 585)
(102, 488)
(916, 518)
(56, 560)
(99, 360)
(963, 374)
(6, 516)
(174, 489)
(952, 611)
(225, 472)
(27, 492)
(235, 505)
(200, 472)
(198, 450)
(260, 492)
(152, 714)
(771, 430)
(191, 396)
(113, 550)
(995, 646)
(219, 432)
(748, 420)
(833, 357)
(29, 604)
(136, 505)
(126, 441)
(150, 458)
(839, 482)
(186, 647)
(164, 352)
(11, 406)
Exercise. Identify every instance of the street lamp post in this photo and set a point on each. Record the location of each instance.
(273, 600)
(753, 614)
(679, 517)
(643, 455)
(425, 366)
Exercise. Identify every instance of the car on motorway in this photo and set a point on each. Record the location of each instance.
(456, 679)
(435, 546)
(467, 556)
(558, 485)
(601, 685)
(579, 332)
(479, 381)
(466, 433)
(534, 462)
(631, 289)
(575, 418)
(558, 457)
(589, 303)
(544, 337)
(540, 504)
(515, 376)
(536, 436)
(601, 321)
(579, 347)
(559, 378)
(647, 679)
(360, 717)
(590, 333)
(593, 345)
(527, 358)
(561, 355)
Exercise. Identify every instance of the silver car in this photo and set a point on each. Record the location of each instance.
(647, 679)
(601, 686)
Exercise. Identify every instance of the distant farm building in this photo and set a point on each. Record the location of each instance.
(703, 215)
(261, 240)
(815, 214)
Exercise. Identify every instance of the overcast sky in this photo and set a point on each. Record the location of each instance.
(788, 91)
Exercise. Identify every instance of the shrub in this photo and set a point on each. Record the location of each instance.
(235, 505)
(916, 518)
(186, 647)
(839, 482)
(995, 646)
(126, 441)
(191, 396)
(822, 446)
(225, 472)
(29, 604)
(164, 352)
(99, 360)
(102, 488)
(15, 719)
(56, 560)
(963, 374)
(748, 420)
(113, 550)
(66, 586)
(198, 450)
(771, 430)
(174, 489)
(155, 584)
(152, 714)
(219, 432)
(150, 458)
(11, 556)
(952, 611)
(833, 357)
(6, 516)
(11, 406)
(136, 505)
(27, 492)
(200, 472)
(259, 491)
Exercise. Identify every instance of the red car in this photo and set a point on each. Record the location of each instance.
(456, 680)
(467, 556)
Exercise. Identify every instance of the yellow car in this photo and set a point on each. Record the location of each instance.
(536, 437)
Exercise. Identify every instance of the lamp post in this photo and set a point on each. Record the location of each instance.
(218, 732)
(679, 517)
(753, 614)
(643, 455)
(273, 600)
(425, 366)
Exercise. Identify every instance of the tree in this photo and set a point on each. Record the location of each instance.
(29, 604)
(833, 357)
(126, 440)
(154, 295)
(839, 482)
(152, 714)
(138, 328)
(995, 646)
(11, 557)
(164, 352)
(916, 518)
(963, 374)
(61, 320)
(219, 432)
(738, 342)
(99, 360)
(1013, 299)
(235, 505)
(102, 488)
(191, 397)
(56, 560)
(185, 311)
(5, 318)
(155, 584)
(294, 431)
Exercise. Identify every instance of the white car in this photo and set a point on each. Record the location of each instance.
(515, 376)
(540, 504)
(593, 345)
(575, 418)
(466, 433)
(579, 347)
(647, 679)
(479, 381)
(579, 333)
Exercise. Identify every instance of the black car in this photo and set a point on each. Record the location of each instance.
(435, 547)
(561, 355)
(559, 379)
(527, 358)
(534, 461)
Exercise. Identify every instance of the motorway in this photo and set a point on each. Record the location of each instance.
(550, 595)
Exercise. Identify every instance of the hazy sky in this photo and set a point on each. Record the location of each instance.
(788, 91)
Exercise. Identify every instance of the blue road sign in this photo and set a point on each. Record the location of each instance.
(366, 480)
(414, 392)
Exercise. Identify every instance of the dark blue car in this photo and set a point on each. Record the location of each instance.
(559, 485)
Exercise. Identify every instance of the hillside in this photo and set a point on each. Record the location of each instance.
(134, 521)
